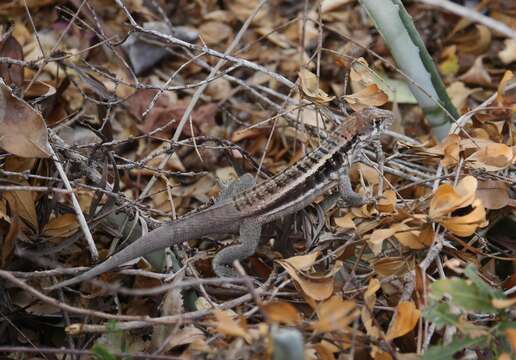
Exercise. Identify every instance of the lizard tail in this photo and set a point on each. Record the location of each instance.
(167, 235)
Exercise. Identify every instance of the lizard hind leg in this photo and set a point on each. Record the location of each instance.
(250, 233)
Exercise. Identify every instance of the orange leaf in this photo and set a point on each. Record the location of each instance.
(405, 319)
(282, 312)
(335, 314)
(227, 326)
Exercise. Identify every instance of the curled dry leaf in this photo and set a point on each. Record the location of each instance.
(318, 287)
(376, 239)
(335, 314)
(466, 225)
(23, 131)
(508, 54)
(282, 312)
(492, 157)
(405, 319)
(310, 88)
(372, 95)
(447, 198)
(477, 74)
(387, 203)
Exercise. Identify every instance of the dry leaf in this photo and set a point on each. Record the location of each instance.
(387, 203)
(215, 33)
(335, 314)
(372, 95)
(494, 194)
(409, 237)
(367, 310)
(405, 319)
(23, 131)
(345, 222)
(22, 204)
(61, 226)
(227, 326)
(449, 149)
(510, 333)
(492, 157)
(316, 287)
(508, 54)
(477, 74)
(310, 88)
(447, 199)
(466, 225)
(282, 312)
(376, 239)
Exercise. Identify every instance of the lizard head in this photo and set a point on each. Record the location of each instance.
(372, 121)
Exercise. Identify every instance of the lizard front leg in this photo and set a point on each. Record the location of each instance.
(347, 194)
(250, 233)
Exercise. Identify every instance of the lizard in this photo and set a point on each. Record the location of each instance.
(247, 207)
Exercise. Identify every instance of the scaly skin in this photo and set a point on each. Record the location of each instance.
(284, 194)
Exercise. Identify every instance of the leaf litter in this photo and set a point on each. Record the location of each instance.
(424, 269)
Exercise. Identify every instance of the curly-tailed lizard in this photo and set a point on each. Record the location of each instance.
(246, 207)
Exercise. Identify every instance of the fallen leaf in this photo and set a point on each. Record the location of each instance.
(367, 311)
(335, 314)
(22, 204)
(494, 194)
(492, 157)
(11, 74)
(466, 225)
(23, 131)
(477, 74)
(376, 239)
(310, 88)
(282, 312)
(405, 319)
(508, 54)
(345, 222)
(447, 198)
(409, 237)
(227, 326)
(215, 33)
(318, 287)
(372, 95)
(61, 226)
(387, 203)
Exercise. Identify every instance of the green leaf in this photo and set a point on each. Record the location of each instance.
(446, 352)
(441, 315)
(102, 353)
(472, 274)
(464, 294)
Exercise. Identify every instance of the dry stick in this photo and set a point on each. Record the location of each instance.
(473, 16)
(76, 206)
(148, 321)
(200, 90)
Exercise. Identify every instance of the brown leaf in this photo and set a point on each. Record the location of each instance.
(405, 319)
(345, 222)
(23, 131)
(477, 74)
(494, 194)
(372, 95)
(466, 225)
(61, 226)
(310, 87)
(316, 287)
(22, 204)
(335, 314)
(12, 74)
(492, 157)
(282, 312)
(508, 54)
(447, 199)
(227, 326)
